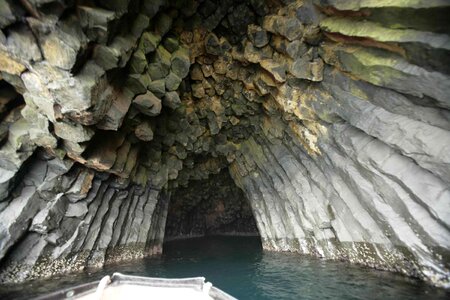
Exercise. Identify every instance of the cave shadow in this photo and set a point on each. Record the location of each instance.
(213, 208)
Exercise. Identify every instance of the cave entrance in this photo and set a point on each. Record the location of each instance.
(209, 207)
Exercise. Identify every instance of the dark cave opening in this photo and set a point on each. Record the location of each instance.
(209, 207)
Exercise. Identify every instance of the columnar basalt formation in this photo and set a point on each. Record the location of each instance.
(331, 116)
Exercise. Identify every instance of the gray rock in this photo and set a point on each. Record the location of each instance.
(148, 104)
(50, 217)
(149, 42)
(257, 36)
(158, 71)
(120, 6)
(240, 17)
(158, 87)
(171, 44)
(180, 63)
(197, 90)
(340, 147)
(172, 82)
(77, 210)
(105, 57)
(60, 49)
(115, 115)
(150, 8)
(172, 100)
(81, 186)
(289, 27)
(140, 23)
(212, 45)
(138, 83)
(73, 132)
(304, 69)
(96, 22)
(7, 14)
(278, 71)
(144, 132)
(138, 62)
(163, 23)
(307, 14)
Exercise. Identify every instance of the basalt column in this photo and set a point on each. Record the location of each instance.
(331, 117)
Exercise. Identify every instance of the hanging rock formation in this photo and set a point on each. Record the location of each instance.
(331, 116)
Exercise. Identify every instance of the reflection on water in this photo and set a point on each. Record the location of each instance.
(238, 266)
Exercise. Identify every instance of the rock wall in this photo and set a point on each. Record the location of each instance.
(66, 219)
(213, 206)
(332, 117)
(360, 169)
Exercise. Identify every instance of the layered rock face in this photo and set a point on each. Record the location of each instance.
(331, 116)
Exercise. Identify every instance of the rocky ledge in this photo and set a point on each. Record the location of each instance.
(332, 117)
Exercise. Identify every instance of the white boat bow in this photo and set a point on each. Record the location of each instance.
(127, 287)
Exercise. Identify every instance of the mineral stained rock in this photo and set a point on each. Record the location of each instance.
(325, 125)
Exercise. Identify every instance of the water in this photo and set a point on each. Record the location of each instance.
(238, 266)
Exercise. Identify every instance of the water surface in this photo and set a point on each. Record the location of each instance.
(238, 266)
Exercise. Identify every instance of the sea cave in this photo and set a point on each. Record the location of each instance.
(319, 127)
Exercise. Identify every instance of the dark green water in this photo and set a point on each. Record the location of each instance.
(238, 266)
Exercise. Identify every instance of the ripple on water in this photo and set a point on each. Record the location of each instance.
(238, 266)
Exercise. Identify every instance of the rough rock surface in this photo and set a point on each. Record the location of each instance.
(331, 116)
(212, 206)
